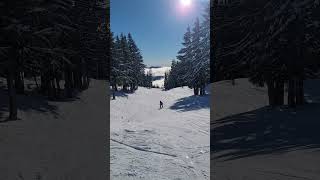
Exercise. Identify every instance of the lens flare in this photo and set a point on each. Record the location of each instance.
(185, 2)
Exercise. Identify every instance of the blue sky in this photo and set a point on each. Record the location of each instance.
(157, 26)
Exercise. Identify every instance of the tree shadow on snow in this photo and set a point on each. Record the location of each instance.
(30, 102)
(121, 93)
(265, 131)
(191, 103)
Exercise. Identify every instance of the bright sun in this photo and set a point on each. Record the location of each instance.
(185, 2)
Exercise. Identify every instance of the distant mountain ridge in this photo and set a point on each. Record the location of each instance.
(158, 74)
(154, 67)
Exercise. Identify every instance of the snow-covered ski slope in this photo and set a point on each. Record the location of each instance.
(55, 140)
(152, 143)
(255, 142)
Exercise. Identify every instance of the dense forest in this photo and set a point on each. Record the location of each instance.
(127, 67)
(53, 42)
(192, 68)
(273, 43)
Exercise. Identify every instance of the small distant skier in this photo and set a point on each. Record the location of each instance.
(161, 104)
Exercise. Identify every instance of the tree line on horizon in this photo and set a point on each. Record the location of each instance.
(273, 43)
(53, 41)
(127, 67)
(192, 68)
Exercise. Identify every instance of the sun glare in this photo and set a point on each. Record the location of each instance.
(185, 2)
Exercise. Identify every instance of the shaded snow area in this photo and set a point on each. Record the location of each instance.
(55, 140)
(252, 141)
(158, 144)
(158, 74)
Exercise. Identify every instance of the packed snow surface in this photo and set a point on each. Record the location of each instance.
(151, 143)
(255, 142)
(55, 140)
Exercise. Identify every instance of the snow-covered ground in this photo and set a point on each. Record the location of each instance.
(158, 72)
(152, 143)
(158, 83)
(251, 141)
(62, 140)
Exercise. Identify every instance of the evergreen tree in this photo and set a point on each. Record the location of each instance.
(205, 44)
(197, 75)
(127, 68)
(270, 43)
(115, 64)
(166, 87)
(149, 79)
(52, 40)
(136, 62)
(185, 57)
(193, 67)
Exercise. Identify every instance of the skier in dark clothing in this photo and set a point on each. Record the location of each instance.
(161, 104)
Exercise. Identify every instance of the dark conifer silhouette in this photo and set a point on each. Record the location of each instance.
(273, 43)
(53, 41)
(193, 65)
(127, 67)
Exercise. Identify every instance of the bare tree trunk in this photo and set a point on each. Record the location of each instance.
(35, 80)
(13, 109)
(45, 83)
(72, 83)
(113, 95)
(97, 73)
(202, 90)
(68, 79)
(88, 81)
(85, 82)
(196, 91)
(300, 92)
(51, 89)
(291, 93)
(279, 92)
(271, 92)
(58, 86)
(19, 83)
(74, 79)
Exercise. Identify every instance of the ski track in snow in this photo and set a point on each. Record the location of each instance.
(151, 143)
(142, 149)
